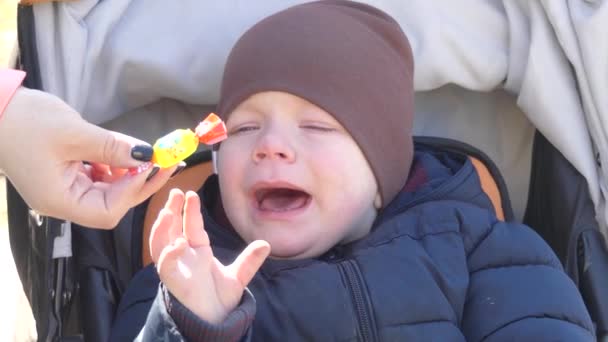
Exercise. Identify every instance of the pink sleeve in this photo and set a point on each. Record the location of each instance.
(10, 81)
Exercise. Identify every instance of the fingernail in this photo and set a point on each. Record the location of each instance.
(179, 169)
(142, 153)
(152, 173)
(141, 168)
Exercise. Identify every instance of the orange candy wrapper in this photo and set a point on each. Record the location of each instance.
(181, 143)
(211, 130)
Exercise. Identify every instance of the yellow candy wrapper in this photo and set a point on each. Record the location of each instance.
(174, 147)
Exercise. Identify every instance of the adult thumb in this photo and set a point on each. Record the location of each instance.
(92, 143)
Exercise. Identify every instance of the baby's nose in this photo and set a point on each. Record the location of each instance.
(271, 147)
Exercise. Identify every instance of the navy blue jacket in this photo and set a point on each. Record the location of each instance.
(437, 266)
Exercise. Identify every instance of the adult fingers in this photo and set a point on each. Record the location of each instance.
(89, 142)
(102, 205)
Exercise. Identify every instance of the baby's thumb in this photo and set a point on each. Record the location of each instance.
(95, 144)
(250, 261)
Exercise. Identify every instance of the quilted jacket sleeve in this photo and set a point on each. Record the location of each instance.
(518, 290)
(169, 320)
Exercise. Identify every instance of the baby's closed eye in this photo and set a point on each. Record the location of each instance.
(243, 129)
(318, 127)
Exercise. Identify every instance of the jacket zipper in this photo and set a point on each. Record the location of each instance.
(366, 324)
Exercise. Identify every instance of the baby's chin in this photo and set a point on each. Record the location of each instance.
(295, 251)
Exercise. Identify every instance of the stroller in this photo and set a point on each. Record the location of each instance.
(513, 78)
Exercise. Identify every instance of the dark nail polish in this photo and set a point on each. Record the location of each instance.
(179, 169)
(142, 153)
(152, 173)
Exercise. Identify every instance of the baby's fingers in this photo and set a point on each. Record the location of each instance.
(194, 228)
(170, 268)
(160, 236)
(175, 204)
(249, 261)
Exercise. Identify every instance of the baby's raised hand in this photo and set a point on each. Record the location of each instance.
(186, 265)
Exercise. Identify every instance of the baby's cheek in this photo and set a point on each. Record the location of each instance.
(328, 161)
(229, 160)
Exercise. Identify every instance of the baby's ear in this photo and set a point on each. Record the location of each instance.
(378, 201)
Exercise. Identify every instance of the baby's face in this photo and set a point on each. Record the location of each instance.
(290, 174)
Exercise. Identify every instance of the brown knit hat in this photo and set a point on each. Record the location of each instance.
(350, 59)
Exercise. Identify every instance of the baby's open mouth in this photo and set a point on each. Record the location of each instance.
(281, 199)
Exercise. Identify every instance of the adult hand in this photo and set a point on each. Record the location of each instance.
(185, 263)
(43, 143)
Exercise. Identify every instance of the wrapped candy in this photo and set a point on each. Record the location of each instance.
(181, 143)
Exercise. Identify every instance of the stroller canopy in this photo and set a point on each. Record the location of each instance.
(541, 62)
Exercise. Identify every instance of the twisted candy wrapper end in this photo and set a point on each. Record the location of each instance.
(211, 130)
